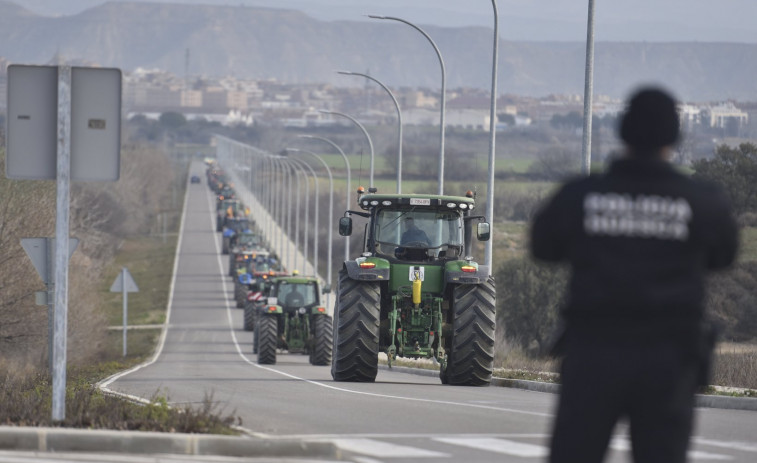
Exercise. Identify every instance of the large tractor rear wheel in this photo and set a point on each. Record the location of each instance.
(266, 339)
(356, 340)
(320, 352)
(470, 356)
(249, 316)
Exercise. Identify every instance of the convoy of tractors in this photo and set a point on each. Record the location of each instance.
(415, 290)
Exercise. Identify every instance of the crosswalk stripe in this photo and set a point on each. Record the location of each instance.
(623, 444)
(503, 446)
(376, 448)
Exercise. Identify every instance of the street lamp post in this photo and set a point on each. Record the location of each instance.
(492, 139)
(588, 91)
(296, 169)
(365, 132)
(443, 96)
(315, 218)
(399, 124)
(330, 226)
(349, 188)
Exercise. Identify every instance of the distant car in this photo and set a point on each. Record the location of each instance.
(195, 179)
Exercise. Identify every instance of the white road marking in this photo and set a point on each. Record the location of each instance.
(376, 448)
(624, 445)
(365, 460)
(503, 446)
(733, 445)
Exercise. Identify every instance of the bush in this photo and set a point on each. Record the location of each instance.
(528, 301)
(732, 301)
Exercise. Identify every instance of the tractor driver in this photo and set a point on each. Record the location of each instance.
(413, 234)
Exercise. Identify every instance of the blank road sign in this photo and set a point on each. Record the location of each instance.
(95, 123)
(31, 138)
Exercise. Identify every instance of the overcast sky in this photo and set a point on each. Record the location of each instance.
(615, 20)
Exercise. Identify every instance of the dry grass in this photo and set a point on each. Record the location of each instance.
(735, 365)
(26, 396)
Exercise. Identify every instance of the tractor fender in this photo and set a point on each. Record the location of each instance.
(458, 277)
(378, 273)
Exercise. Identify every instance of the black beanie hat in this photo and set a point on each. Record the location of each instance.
(650, 121)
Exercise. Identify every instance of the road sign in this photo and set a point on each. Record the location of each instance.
(254, 296)
(124, 284)
(95, 115)
(118, 284)
(40, 252)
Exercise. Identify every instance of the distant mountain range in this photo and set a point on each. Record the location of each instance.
(266, 43)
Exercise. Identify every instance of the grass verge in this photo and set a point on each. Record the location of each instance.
(26, 396)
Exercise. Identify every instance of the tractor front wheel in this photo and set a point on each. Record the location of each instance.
(470, 352)
(356, 326)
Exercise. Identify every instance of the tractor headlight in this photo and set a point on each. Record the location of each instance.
(374, 203)
(451, 205)
(302, 310)
(463, 206)
(386, 203)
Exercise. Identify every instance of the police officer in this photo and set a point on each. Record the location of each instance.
(639, 240)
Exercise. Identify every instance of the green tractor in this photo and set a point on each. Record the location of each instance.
(293, 319)
(415, 291)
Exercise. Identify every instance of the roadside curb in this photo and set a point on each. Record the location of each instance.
(702, 400)
(140, 442)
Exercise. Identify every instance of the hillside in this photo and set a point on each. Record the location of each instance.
(289, 46)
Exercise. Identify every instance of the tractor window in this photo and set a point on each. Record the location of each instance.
(297, 294)
(248, 239)
(418, 229)
(261, 265)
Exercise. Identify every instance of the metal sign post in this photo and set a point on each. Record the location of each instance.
(124, 284)
(60, 324)
(40, 252)
(83, 144)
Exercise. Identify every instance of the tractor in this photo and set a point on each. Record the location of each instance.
(226, 207)
(244, 242)
(294, 319)
(415, 291)
(231, 229)
(251, 267)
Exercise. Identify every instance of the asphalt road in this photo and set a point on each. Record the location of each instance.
(399, 418)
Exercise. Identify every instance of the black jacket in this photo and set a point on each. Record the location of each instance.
(639, 240)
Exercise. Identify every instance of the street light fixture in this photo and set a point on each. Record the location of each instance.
(349, 187)
(365, 132)
(399, 123)
(443, 97)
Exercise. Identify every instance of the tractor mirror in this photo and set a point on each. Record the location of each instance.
(326, 289)
(345, 226)
(483, 231)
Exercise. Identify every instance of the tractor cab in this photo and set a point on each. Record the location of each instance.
(295, 294)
